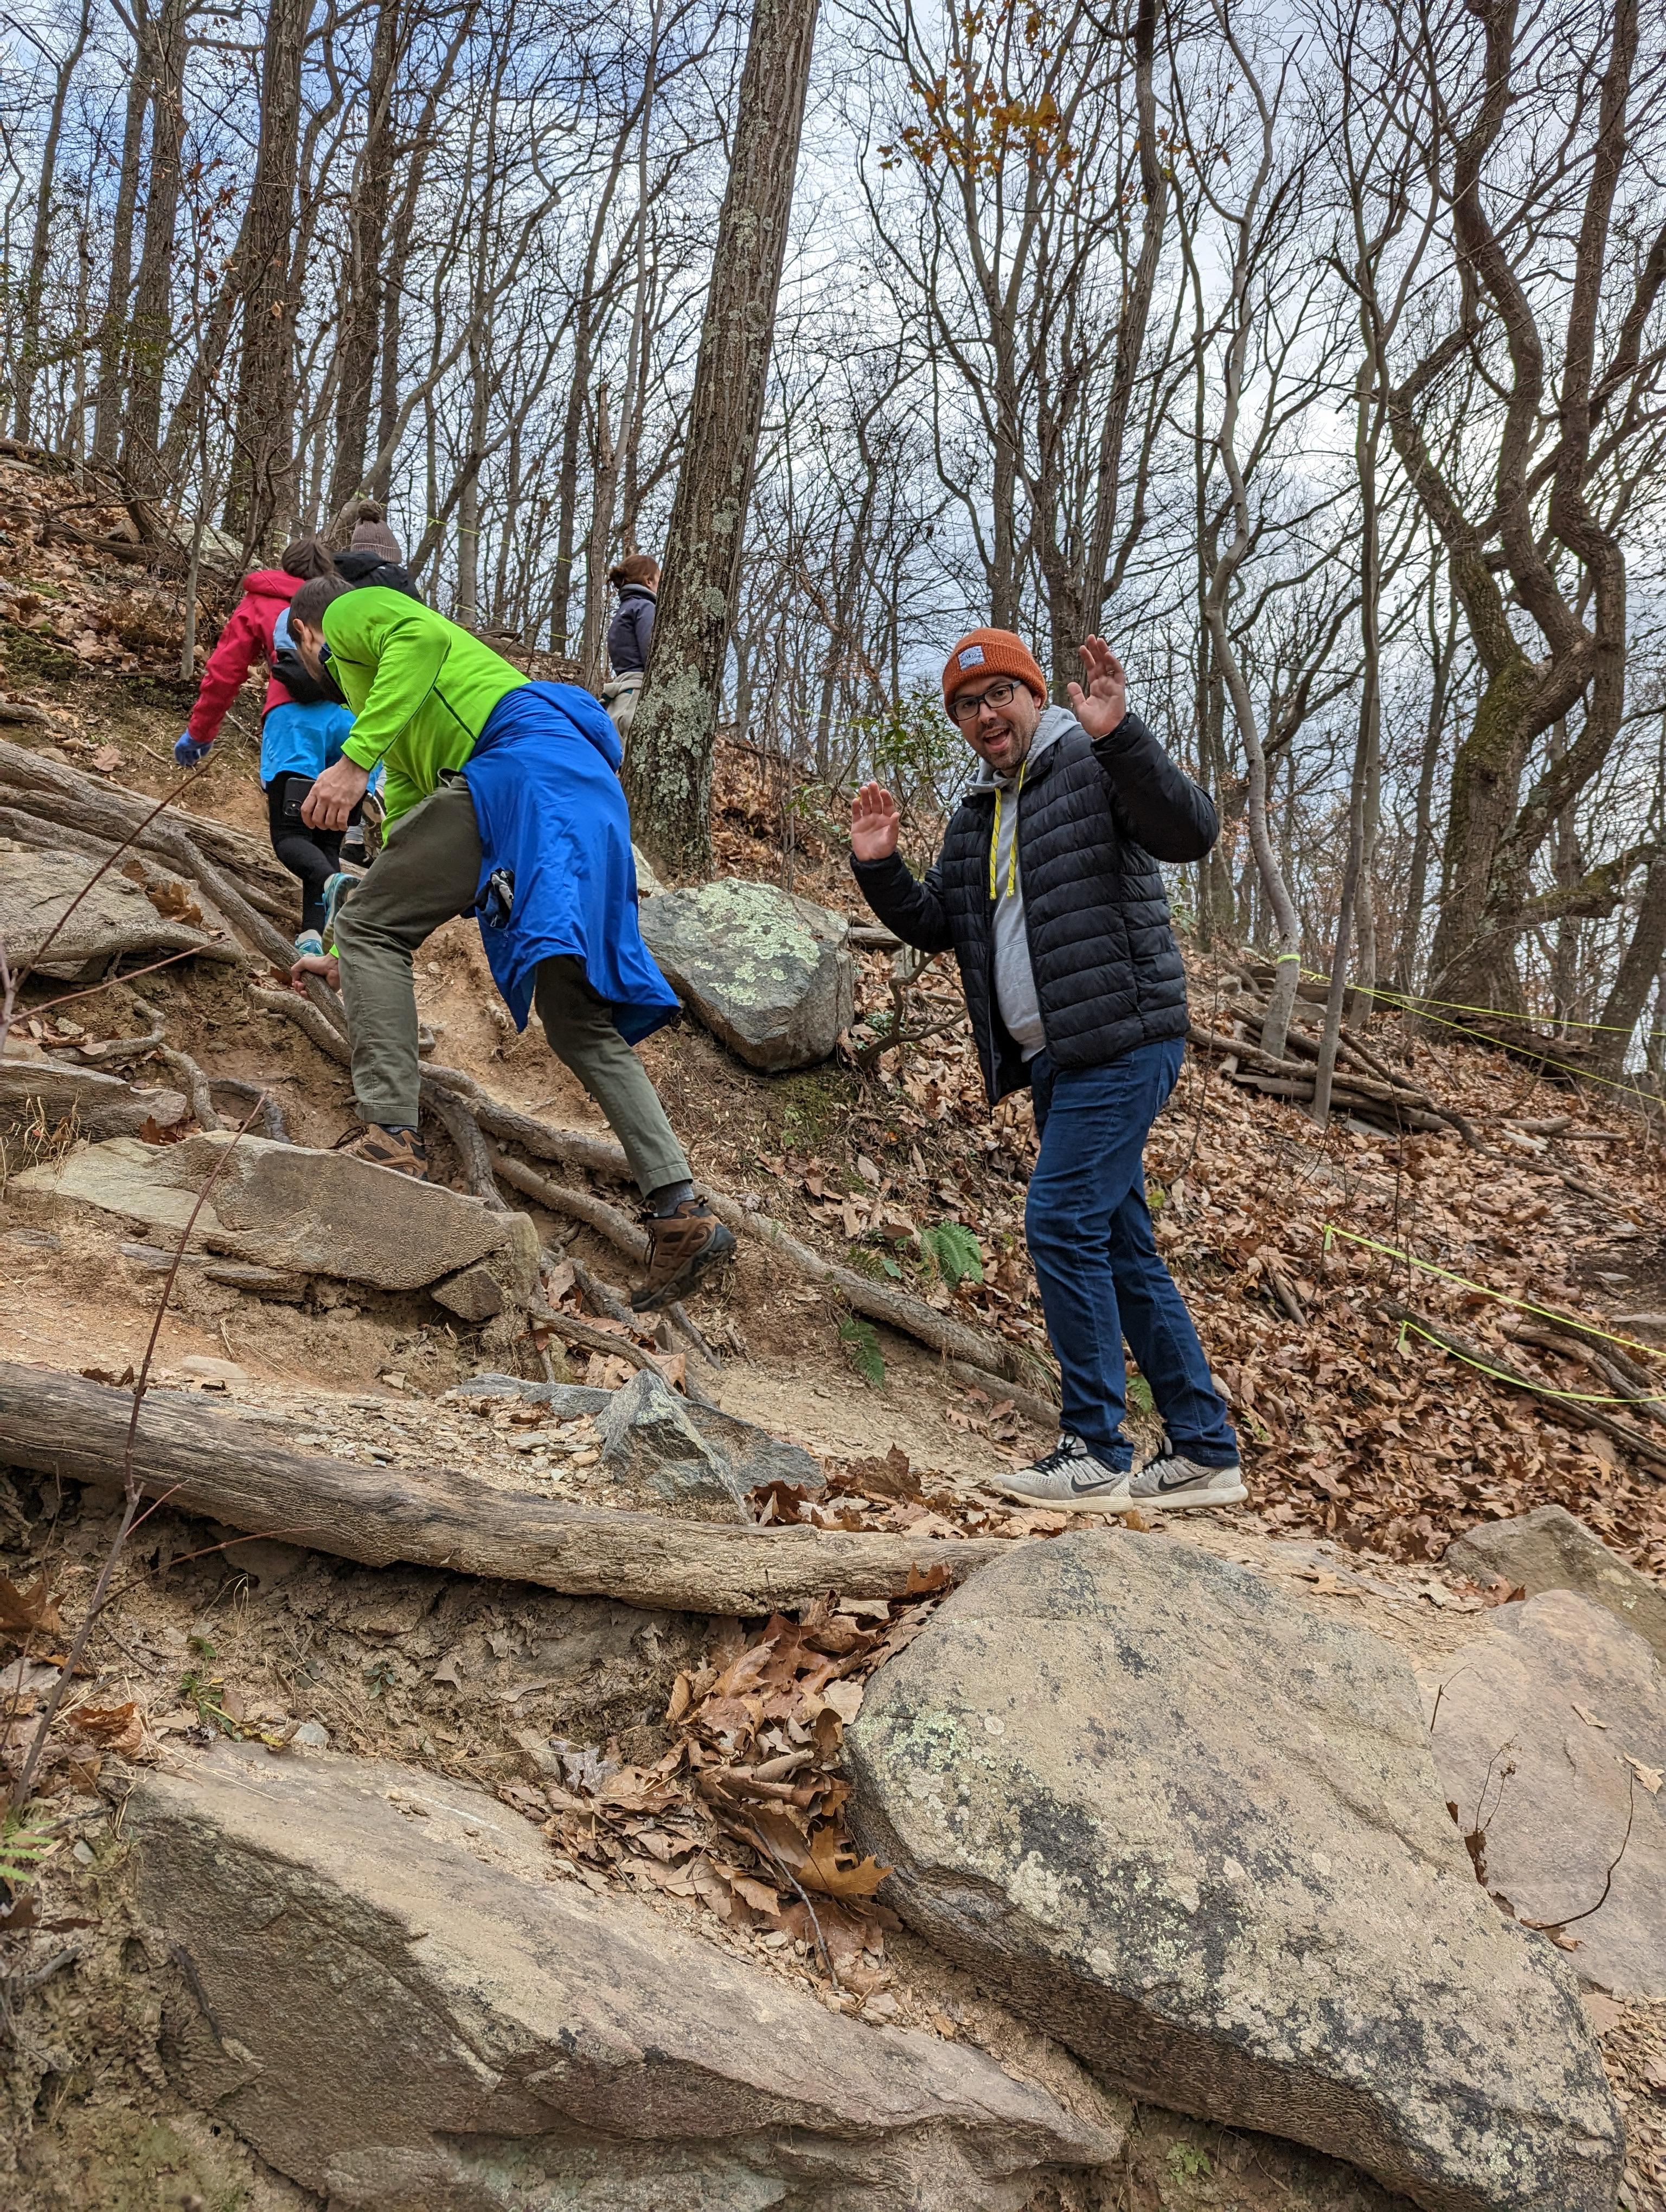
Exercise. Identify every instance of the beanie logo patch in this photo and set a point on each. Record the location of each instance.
(972, 657)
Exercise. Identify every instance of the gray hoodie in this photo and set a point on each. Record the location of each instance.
(1015, 981)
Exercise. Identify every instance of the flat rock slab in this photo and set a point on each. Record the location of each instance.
(1549, 1735)
(1550, 1549)
(100, 1105)
(397, 2004)
(769, 975)
(320, 1213)
(38, 886)
(1196, 1833)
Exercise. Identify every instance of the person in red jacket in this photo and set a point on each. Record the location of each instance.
(245, 640)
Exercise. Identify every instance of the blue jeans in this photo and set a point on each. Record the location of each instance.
(1097, 1262)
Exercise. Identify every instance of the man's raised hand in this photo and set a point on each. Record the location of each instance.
(1103, 706)
(335, 795)
(875, 823)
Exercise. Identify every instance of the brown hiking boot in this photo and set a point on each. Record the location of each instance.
(683, 1247)
(401, 1150)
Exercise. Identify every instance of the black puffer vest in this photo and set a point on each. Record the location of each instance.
(1095, 818)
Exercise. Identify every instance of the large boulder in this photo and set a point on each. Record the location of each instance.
(1549, 1735)
(396, 2001)
(769, 974)
(1194, 1831)
(49, 905)
(320, 1214)
(1549, 1549)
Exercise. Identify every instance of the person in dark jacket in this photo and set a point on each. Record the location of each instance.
(1047, 891)
(637, 580)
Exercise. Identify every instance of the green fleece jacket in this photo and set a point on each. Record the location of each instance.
(420, 688)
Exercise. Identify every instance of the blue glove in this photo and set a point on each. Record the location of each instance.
(188, 752)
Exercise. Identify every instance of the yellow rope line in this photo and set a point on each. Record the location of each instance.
(1521, 1382)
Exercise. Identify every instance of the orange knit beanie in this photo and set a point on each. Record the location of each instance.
(985, 652)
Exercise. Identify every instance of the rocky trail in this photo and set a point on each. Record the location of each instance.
(525, 1757)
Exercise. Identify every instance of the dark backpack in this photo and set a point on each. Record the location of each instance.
(286, 666)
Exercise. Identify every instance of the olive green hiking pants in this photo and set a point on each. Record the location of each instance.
(425, 874)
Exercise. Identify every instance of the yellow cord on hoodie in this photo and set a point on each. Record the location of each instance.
(994, 840)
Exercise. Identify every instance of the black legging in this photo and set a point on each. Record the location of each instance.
(314, 855)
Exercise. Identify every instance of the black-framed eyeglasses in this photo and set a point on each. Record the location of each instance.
(967, 706)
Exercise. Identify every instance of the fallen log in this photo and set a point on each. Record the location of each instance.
(210, 1463)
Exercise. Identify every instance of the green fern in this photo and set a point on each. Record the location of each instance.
(21, 1851)
(861, 1347)
(954, 1251)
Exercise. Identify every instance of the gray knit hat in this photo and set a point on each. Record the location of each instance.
(371, 535)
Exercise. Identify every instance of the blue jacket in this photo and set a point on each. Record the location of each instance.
(630, 629)
(545, 779)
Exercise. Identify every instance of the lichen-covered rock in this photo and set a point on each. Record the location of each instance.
(385, 1989)
(768, 973)
(1549, 1735)
(1196, 1833)
(1549, 1549)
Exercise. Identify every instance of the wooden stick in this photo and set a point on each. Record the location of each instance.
(210, 1462)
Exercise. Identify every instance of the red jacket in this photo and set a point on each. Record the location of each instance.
(246, 639)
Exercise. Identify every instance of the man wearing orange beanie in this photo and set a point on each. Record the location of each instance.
(1048, 889)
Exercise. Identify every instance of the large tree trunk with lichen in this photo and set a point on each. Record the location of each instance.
(668, 769)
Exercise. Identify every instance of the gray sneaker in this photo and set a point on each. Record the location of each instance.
(1070, 1479)
(1167, 1478)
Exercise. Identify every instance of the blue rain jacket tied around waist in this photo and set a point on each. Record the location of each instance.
(545, 779)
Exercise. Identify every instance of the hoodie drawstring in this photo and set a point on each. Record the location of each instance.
(994, 840)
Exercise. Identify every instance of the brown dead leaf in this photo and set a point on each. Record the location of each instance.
(173, 900)
(107, 759)
(1650, 1777)
(1587, 1716)
(118, 1728)
(831, 1876)
(28, 1612)
(925, 1582)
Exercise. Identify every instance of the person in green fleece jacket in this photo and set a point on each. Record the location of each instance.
(427, 699)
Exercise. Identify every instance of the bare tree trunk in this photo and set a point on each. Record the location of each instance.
(106, 415)
(1638, 970)
(1367, 433)
(361, 311)
(34, 280)
(592, 654)
(152, 317)
(1441, 652)
(266, 398)
(669, 767)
